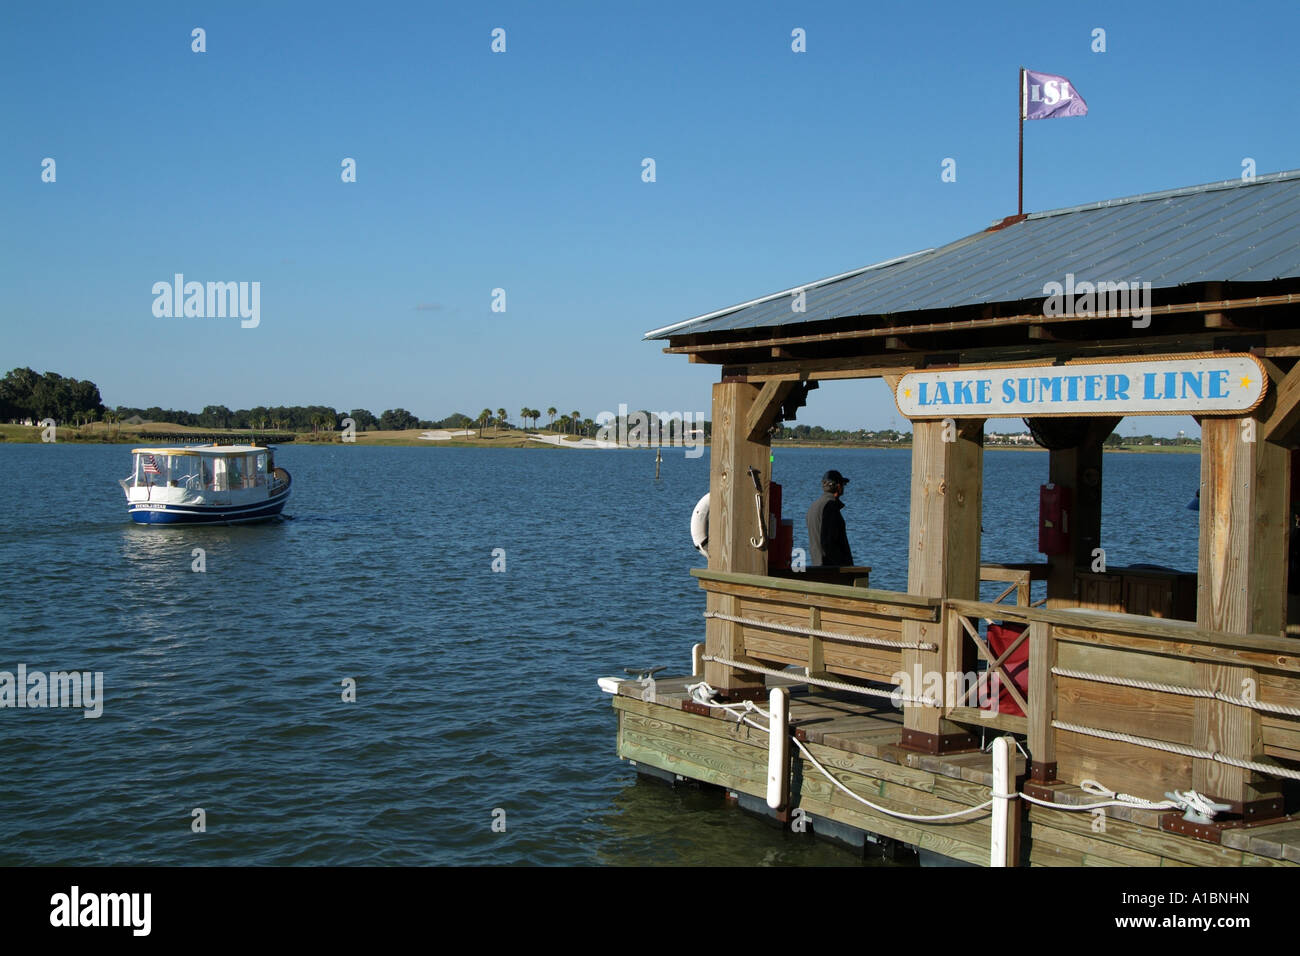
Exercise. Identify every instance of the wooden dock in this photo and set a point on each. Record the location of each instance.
(1134, 682)
(859, 743)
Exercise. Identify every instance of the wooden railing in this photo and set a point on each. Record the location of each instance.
(1084, 670)
(1018, 577)
(977, 688)
(1082, 665)
(798, 608)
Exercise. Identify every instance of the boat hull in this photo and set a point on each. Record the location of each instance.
(144, 512)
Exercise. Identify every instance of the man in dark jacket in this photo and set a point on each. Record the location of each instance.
(828, 540)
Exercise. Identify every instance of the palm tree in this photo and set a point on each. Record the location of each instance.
(484, 417)
(523, 414)
(552, 412)
(575, 416)
(501, 417)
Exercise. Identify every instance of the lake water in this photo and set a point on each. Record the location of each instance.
(475, 690)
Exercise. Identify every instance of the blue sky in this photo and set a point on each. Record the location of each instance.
(522, 170)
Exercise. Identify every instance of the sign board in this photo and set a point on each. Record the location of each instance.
(1178, 385)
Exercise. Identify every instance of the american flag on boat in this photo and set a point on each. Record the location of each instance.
(151, 465)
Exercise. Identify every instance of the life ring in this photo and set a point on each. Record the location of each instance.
(700, 526)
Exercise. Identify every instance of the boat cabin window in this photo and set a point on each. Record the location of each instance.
(215, 477)
(155, 468)
(235, 471)
(258, 468)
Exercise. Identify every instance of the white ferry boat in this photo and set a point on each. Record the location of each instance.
(205, 484)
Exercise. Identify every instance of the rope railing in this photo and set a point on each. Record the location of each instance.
(824, 635)
(822, 682)
(1179, 689)
(702, 693)
(1167, 746)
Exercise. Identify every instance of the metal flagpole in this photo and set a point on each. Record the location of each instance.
(1020, 112)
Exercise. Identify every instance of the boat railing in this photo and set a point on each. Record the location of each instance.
(278, 480)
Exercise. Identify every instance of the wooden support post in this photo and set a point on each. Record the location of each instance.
(778, 749)
(816, 650)
(1241, 589)
(1004, 836)
(1080, 470)
(1042, 702)
(943, 561)
(732, 522)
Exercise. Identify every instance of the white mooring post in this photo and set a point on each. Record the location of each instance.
(697, 661)
(1002, 846)
(778, 749)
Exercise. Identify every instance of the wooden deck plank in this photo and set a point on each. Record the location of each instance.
(1279, 841)
(855, 724)
(1070, 795)
(720, 751)
(835, 759)
(1154, 841)
(742, 754)
(1091, 846)
(694, 722)
(870, 743)
(926, 839)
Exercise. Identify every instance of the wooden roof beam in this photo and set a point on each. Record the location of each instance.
(979, 324)
(1285, 417)
(767, 409)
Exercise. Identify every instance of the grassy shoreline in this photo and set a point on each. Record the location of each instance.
(164, 434)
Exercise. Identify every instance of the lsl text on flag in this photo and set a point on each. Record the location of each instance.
(1048, 96)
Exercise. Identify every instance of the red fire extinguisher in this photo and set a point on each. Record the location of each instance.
(1053, 519)
(778, 555)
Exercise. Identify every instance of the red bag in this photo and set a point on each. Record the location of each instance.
(1016, 666)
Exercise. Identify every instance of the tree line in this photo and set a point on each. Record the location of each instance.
(884, 436)
(28, 395)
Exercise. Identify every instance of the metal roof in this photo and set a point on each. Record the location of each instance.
(1230, 231)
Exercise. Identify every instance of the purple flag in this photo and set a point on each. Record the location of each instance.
(1047, 96)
